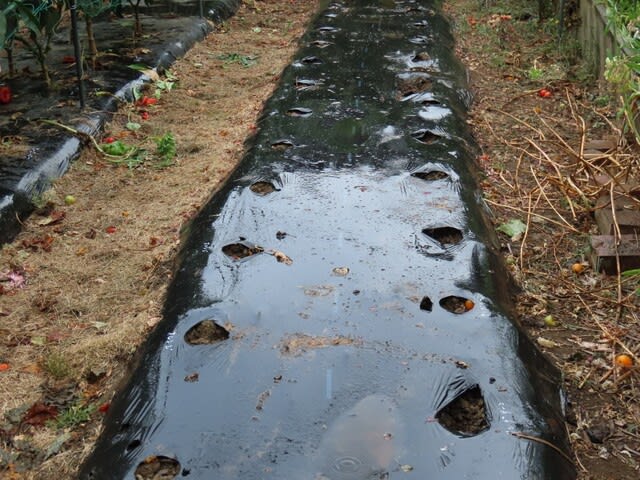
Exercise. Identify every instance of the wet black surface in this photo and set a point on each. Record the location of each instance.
(170, 28)
(351, 361)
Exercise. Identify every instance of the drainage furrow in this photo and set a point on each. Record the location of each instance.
(339, 313)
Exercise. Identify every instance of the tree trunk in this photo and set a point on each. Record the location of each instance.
(91, 40)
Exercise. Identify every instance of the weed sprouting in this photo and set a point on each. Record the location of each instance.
(73, 416)
(57, 366)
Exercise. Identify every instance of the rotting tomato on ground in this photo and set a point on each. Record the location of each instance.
(624, 361)
(544, 93)
(5, 94)
(146, 101)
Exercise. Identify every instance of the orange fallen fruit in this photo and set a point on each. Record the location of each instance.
(624, 361)
(577, 268)
(468, 304)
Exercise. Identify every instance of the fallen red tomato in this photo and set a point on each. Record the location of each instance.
(146, 101)
(544, 93)
(5, 94)
(144, 115)
(110, 229)
(104, 408)
(109, 140)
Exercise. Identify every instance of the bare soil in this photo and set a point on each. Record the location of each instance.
(83, 284)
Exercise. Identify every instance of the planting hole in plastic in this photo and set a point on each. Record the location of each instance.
(444, 235)
(282, 145)
(426, 304)
(299, 112)
(426, 136)
(431, 175)
(206, 332)
(238, 251)
(155, 467)
(413, 83)
(466, 415)
(263, 188)
(133, 444)
(311, 60)
(303, 84)
(456, 304)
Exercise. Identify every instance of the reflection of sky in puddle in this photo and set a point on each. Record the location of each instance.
(363, 441)
(434, 112)
(388, 134)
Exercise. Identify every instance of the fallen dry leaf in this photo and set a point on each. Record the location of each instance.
(39, 242)
(281, 257)
(40, 413)
(54, 218)
(546, 343)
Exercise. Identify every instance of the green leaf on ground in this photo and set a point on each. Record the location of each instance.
(514, 228)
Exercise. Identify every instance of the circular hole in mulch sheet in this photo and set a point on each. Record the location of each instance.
(411, 83)
(281, 145)
(157, 467)
(420, 40)
(133, 444)
(426, 136)
(426, 304)
(238, 251)
(299, 112)
(311, 60)
(321, 43)
(306, 84)
(455, 304)
(419, 9)
(206, 332)
(421, 57)
(466, 415)
(325, 30)
(444, 235)
(424, 98)
(431, 175)
(262, 187)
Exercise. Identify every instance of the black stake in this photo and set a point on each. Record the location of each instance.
(76, 50)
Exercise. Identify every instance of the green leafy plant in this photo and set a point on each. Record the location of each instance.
(623, 70)
(245, 60)
(633, 273)
(33, 27)
(622, 73)
(121, 153)
(535, 73)
(166, 149)
(73, 416)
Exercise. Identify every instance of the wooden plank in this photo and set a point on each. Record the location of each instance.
(628, 218)
(604, 252)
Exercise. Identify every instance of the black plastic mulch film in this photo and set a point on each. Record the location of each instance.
(339, 312)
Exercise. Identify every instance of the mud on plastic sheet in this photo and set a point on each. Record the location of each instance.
(339, 312)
